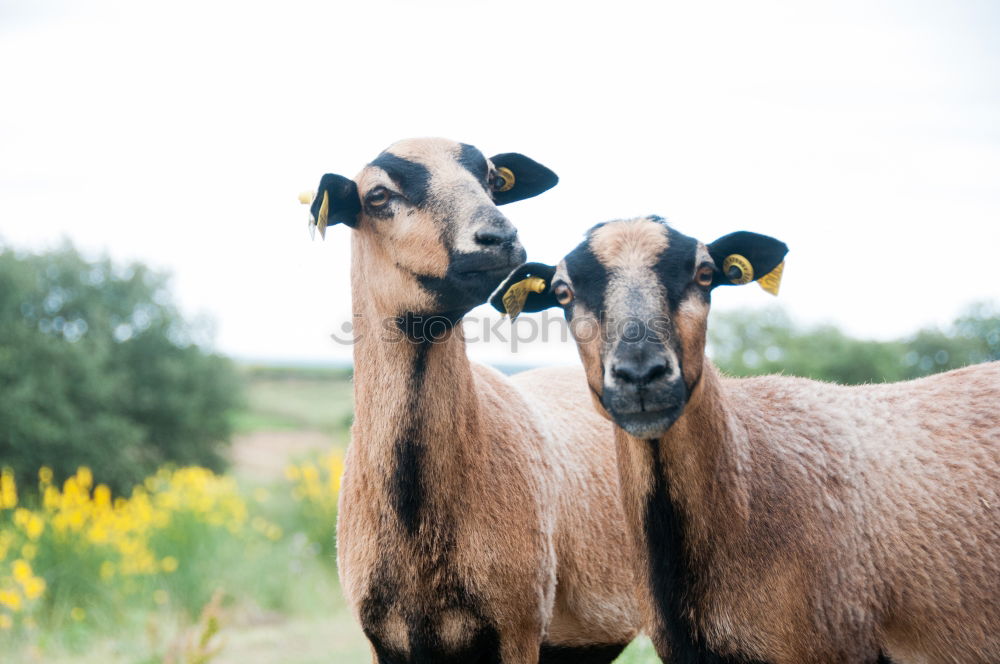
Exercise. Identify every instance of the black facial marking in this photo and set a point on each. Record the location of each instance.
(589, 277)
(597, 654)
(413, 179)
(467, 283)
(672, 579)
(675, 266)
(473, 161)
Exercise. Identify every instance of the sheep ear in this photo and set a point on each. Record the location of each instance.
(743, 257)
(528, 288)
(336, 202)
(522, 178)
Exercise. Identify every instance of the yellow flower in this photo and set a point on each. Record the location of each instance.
(11, 599)
(169, 564)
(21, 570)
(34, 527)
(292, 473)
(102, 496)
(8, 489)
(29, 551)
(84, 478)
(45, 475)
(77, 614)
(34, 587)
(50, 498)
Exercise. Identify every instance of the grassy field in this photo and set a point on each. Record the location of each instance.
(278, 597)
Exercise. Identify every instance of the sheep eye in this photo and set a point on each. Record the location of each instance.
(563, 294)
(705, 276)
(378, 196)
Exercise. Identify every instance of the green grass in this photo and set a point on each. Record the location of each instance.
(640, 652)
(283, 401)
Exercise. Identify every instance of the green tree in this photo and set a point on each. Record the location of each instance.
(756, 342)
(974, 337)
(98, 368)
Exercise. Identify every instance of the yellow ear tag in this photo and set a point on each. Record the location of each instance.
(507, 176)
(324, 215)
(306, 198)
(771, 281)
(744, 270)
(517, 294)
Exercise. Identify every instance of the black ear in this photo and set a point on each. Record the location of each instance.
(519, 293)
(523, 178)
(743, 257)
(336, 202)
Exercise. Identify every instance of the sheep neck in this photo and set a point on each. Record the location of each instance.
(704, 460)
(684, 497)
(416, 416)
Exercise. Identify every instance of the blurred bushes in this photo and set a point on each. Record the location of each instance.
(81, 558)
(98, 368)
(749, 343)
(315, 489)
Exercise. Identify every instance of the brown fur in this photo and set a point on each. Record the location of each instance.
(826, 523)
(832, 520)
(628, 245)
(520, 515)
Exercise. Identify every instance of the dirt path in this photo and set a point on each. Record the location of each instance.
(263, 455)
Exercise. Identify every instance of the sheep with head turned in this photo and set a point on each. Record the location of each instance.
(780, 519)
(470, 528)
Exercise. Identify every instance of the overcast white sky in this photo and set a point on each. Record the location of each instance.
(864, 134)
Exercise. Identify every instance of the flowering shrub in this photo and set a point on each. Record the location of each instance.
(77, 553)
(315, 489)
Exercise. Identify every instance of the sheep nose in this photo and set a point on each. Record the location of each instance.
(492, 236)
(639, 373)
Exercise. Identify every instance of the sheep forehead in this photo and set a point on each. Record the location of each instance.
(631, 244)
(443, 158)
(433, 153)
(629, 251)
(429, 169)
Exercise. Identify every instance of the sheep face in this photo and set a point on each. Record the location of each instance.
(426, 221)
(637, 294)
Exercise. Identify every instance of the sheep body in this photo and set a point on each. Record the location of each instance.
(780, 519)
(457, 541)
(826, 523)
(514, 537)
